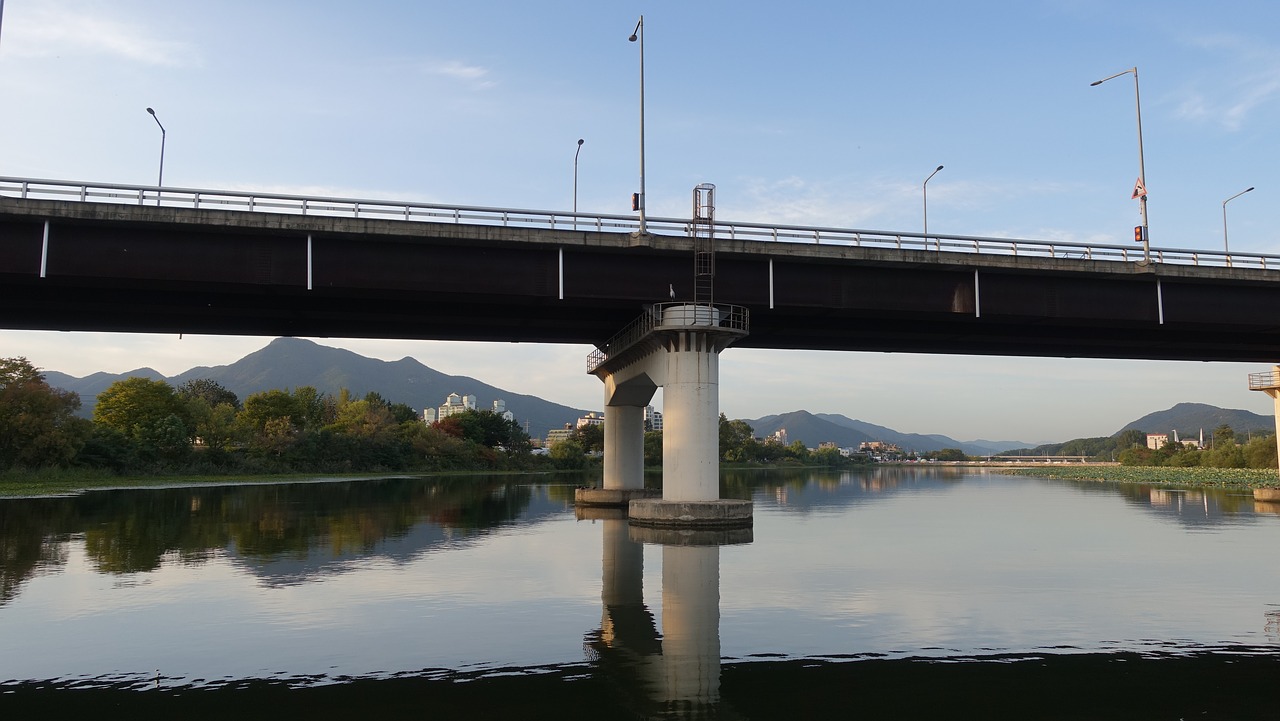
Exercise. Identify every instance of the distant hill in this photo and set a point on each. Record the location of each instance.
(91, 385)
(293, 362)
(1189, 418)
(813, 429)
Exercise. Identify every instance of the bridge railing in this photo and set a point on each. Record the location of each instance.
(683, 315)
(555, 220)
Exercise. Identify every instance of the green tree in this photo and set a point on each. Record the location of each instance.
(568, 454)
(1260, 451)
(214, 426)
(591, 436)
(829, 456)
(1223, 435)
(38, 425)
(137, 406)
(486, 428)
(313, 408)
(209, 390)
(736, 437)
(272, 405)
(653, 448)
(363, 419)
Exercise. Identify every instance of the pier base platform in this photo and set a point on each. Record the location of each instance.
(721, 513)
(613, 496)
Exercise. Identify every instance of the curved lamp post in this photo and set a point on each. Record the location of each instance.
(1142, 172)
(160, 181)
(575, 182)
(925, 187)
(638, 34)
(1224, 222)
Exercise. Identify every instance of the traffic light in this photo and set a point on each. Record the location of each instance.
(635, 201)
(1139, 234)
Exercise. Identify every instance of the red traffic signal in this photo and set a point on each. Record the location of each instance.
(635, 201)
(1139, 234)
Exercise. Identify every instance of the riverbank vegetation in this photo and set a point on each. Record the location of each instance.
(1223, 449)
(147, 429)
(1194, 476)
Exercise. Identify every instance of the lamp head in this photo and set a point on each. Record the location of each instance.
(632, 38)
(580, 141)
(1096, 82)
(939, 168)
(149, 110)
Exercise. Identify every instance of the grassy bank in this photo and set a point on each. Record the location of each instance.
(56, 482)
(1162, 475)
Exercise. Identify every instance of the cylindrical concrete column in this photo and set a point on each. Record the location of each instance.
(691, 420)
(623, 447)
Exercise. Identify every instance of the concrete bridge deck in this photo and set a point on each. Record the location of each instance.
(294, 270)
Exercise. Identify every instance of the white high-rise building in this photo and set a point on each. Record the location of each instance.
(455, 403)
(500, 407)
(652, 418)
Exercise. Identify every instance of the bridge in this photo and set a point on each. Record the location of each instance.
(103, 257)
(81, 256)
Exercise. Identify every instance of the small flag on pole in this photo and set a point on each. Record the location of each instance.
(1139, 190)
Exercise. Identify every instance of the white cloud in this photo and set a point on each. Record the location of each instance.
(1229, 96)
(50, 30)
(474, 75)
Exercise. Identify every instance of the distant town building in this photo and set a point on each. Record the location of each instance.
(1156, 441)
(500, 407)
(454, 404)
(652, 418)
(591, 419)
(555, 435)
(779, 436)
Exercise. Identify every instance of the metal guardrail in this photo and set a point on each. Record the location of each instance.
(1264, 380)
(654, 318)
(513, 217)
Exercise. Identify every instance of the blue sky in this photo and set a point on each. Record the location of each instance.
(807, 113)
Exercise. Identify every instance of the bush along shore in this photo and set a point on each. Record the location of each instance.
(1196, 476)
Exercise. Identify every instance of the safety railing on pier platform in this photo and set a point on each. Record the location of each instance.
(555, 220)
(1265, 380)
(734, 318)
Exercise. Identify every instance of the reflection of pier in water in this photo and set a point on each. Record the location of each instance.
(674, 673)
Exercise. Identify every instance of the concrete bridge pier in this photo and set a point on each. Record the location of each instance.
(624, 406)
(1268, 382)
(676, 347)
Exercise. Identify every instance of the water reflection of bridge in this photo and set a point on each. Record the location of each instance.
(675, 672)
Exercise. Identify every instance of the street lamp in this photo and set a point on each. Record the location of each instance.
(638, 33)
(1139, 192)
(160, 181)
(575, 183)
(925, 187)
(1224, 222)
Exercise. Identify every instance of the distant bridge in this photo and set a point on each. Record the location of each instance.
(106, 257)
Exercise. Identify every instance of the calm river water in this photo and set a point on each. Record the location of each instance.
(891, 593)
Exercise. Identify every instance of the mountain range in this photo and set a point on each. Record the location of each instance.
(846, 432)
(292, 362)
(287, 363)
(1189, 419)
